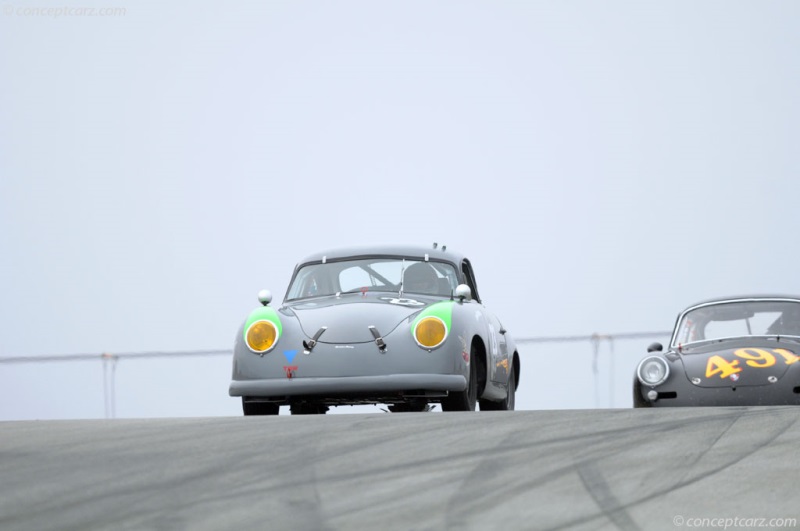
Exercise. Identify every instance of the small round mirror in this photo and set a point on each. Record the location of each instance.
(655, 347)
(463, 293)
(265, 296)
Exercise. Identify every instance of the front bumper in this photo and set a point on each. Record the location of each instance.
(782, 393)
(394, 383)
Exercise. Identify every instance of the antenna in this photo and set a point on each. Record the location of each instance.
(402, 273)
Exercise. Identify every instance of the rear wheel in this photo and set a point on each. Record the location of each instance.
(506, 404)
(259, 408)
(467, 399)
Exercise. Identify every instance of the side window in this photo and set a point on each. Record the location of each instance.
(448, 278)
(469, 277)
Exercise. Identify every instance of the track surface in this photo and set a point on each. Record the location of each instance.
(582, 469)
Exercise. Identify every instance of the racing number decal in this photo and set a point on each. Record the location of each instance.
(721, 366)
(754, 357)
(788, 356)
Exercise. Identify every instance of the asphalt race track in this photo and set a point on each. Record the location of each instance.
(580, 469)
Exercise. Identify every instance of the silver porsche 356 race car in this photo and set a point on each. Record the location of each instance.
(726, 352)
(401, 326)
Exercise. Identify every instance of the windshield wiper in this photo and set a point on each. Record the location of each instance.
(354, 290)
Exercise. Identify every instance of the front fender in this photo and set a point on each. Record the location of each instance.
(251, 365)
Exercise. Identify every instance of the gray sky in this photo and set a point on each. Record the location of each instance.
(603, 164)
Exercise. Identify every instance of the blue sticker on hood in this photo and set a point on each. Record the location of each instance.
(290, 354)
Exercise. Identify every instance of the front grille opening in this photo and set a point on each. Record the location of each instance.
(667, 395)
(796, 390)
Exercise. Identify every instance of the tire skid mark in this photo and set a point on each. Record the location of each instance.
(483, 467)
(557, 474)
(712, 444)
(471, 488)
(469, 500)
(513, 443)
(695, 479)
(601, 492)
(522, 445)
(503, 457)
(304, 498)
(293, 467)
(305, 502)
(743, 455)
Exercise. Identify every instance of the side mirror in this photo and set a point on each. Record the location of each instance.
(265, 296)
(463, 293)
(655, 347)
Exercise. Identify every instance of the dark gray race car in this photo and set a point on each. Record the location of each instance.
(402, 326)
(726, 352)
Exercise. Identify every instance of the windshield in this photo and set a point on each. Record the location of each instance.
(373, 274)
(737, 319)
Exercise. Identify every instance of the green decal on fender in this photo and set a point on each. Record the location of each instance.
(265, 313)
(443, 310)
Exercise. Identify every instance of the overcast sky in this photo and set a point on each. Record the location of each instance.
(603, 164)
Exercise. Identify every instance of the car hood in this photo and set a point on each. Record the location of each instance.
(740, 363)
(349, 316)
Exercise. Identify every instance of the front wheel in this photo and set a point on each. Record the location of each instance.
(467, 399)
(506, 404)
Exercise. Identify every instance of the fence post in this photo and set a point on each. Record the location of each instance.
(109, 384)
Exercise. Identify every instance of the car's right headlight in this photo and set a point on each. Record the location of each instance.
(432, 325)
(653, 371)
(430, 332)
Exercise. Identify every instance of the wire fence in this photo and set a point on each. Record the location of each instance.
(109, 360)
(597, 340)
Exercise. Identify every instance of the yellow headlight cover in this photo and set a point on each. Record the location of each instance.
(261, 336)
(430, 332)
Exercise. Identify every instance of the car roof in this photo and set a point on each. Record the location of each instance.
(408, 251)
(745, 297)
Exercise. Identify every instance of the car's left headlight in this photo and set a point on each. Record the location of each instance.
(653, 371)
(430, 332)
(262, 330)
(261, 336)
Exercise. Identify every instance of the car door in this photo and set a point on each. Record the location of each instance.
(498, 349)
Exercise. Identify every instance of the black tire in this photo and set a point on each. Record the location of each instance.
(507, 404)
(259, 408)
(304, 408)
(467, 399)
